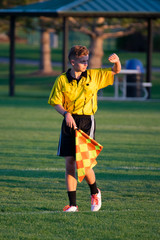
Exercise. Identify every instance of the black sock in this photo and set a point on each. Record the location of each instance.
(93, 188)
(72, 198)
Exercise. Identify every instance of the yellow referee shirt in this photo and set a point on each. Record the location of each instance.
(80, 96)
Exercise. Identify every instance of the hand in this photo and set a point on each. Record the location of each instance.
(113, 58)
(70, 121)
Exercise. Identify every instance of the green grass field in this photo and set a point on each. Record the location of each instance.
(32, 177)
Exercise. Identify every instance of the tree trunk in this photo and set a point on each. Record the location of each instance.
(96, 52)
(45, 53)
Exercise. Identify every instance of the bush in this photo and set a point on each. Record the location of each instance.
(134, 43)
(156, 41)
(137, 43)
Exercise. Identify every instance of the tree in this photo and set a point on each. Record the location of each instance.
(4, 22)
(47, 26)
(42, 24)
(99, 29)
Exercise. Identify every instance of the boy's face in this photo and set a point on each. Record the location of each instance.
(80, 64)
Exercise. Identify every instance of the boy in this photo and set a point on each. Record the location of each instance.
(74, 96)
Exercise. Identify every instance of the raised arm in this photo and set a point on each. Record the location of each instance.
(113, 58)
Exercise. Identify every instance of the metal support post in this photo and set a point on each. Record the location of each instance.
(65, 44)
(12, 57)
(149, 55)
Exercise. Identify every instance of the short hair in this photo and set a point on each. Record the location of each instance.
(77, 51)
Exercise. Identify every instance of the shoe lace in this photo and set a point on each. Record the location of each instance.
(66, 207)
(94, 199)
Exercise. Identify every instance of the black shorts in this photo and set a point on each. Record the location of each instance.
(67, 138)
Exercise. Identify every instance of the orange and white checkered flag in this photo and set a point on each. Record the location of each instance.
(87, 150)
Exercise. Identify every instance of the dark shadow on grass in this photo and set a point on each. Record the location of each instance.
(25, 101)
(129, 107)
(60, 175)
(32, 173)
(126, 131)
(126, 177)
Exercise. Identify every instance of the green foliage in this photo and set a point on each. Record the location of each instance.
(156, 41)
(21, 22)
(27, 23)
(130, 43)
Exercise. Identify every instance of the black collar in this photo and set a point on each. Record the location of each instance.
(70, 78)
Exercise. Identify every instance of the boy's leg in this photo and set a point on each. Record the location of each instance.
(95, 192)
(71, 181)
(91, 180)
(90, 176)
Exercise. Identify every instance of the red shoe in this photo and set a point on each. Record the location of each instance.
(70, 208)
(96, 201)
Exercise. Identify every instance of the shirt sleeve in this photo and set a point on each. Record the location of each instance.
(104, 77)
(56, 95)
